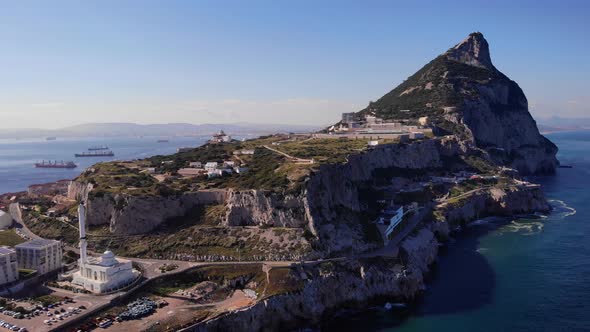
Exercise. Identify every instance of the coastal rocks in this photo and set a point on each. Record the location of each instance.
(497, 202)
(329, 285)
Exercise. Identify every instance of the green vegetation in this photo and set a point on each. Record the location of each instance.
(51, 228)
(10, 238)
(112, 177)
(323, 150)
(282, 280)
(46, 300)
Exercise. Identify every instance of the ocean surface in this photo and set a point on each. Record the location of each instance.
(525, 275)
(18, 156)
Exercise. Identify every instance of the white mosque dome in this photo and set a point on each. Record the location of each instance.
(108, 259)
(5, 219)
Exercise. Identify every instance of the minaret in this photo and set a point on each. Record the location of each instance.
(82, 221)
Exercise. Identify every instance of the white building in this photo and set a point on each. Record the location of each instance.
(103, 274)
(8, 265)
(211, 166)
(195, 164)
(41, 255)
(5, 219)
(244, 152)
(392, 217)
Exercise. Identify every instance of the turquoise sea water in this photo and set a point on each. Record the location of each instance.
(528, 275)
(18, 156)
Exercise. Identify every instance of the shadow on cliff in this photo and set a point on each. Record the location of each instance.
(463, 279)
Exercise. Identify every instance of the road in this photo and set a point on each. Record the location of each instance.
(292, 158)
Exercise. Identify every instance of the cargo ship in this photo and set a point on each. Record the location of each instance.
(55, 164)
(107, 153)
(163, 141)
(98, 148)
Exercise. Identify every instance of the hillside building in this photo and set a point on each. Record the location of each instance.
(41, 255)
(8, 266)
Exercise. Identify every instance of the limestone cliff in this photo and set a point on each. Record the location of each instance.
(463, 93)
(331, 284)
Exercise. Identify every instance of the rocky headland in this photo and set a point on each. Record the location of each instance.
(320, 217)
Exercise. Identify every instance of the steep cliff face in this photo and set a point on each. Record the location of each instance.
(335, 198)
(126, 214)
(355, 282)
(259, 208)
(463, 93)
(352, 281)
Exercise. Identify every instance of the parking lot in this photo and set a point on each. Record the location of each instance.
(48, 318)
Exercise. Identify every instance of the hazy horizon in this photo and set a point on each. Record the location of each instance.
(301, 63)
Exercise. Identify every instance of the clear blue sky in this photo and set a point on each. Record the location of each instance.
(69, 62)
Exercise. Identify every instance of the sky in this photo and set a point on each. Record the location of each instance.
(295, 62)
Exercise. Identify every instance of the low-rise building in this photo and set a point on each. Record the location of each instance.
(8, 265)
(229, 163)
(195, 164)
(41, 255)
(372, 144)
(391, 217)
(244, 152)
(240, 170)
(211, 166)
(220, 137)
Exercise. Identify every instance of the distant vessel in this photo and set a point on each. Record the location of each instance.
(55, 164)
(52, 138)
(106, 153)
(98, 148)
(163, 141)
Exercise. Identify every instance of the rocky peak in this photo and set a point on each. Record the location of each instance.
(473, 50)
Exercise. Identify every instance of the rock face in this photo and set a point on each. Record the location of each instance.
(258, 208)
(463, 93)
(352, 281)
(498, 202)
(128, 215)
(335, 198)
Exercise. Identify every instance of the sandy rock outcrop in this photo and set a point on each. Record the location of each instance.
(259, 208)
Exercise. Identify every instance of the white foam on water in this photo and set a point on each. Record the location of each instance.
(560, 209)
(523, 226)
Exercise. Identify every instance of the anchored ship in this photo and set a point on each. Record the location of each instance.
(98, 148)
(55, 164)
(107, 153)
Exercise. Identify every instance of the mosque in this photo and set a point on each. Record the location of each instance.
(105, 273)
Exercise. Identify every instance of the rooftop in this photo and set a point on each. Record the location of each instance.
(6, 251)
(37, 243)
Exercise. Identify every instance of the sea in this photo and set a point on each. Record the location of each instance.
(520, 275)
(17, 157)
